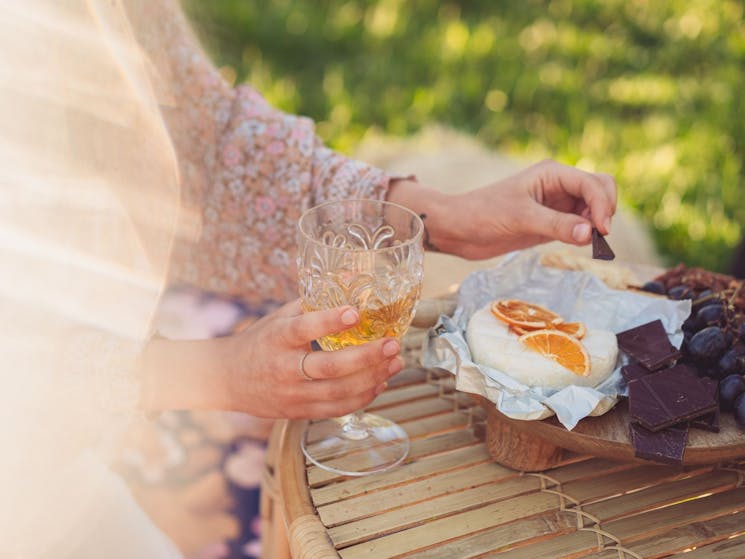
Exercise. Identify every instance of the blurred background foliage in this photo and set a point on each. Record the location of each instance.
(648, 90)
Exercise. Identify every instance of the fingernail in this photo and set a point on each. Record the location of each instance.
(606, 225)
(391, 348)
(581, 232)
(396, 364)
(349, 317)
(380, 388)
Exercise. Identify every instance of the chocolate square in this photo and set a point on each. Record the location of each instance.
(710, 421)
(670, 396)
(633, 371)
(649, 345)
(600, 248)
(667, 446)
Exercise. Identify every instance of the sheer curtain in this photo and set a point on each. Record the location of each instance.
(88, 211)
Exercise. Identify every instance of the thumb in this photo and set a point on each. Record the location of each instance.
(561, 226)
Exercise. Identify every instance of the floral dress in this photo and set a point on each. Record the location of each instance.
(248, 170)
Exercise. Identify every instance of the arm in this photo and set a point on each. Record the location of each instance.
(247, 169)
(257, 371)
(547, 201)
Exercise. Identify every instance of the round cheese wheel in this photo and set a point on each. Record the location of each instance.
(493, 344)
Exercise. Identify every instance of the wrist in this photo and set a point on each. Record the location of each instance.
(428, 203)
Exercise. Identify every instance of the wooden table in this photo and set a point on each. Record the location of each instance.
(449, 499)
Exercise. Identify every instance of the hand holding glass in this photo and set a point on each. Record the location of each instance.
(367, 254)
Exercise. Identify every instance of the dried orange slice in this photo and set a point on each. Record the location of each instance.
(525, 315)
(518, 330)
(566, 350)
(576, 329)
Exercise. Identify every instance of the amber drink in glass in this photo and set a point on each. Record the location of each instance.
(368, 254)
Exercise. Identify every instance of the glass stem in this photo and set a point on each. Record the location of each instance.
(354, 427)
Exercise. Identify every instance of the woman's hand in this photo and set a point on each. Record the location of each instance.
(258, 371)
(265, 373)
(547, 201)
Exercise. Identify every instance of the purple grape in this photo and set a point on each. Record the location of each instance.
(680, 292)
(654, 287)
(690, 324)
(707, 344)
(729, 389)
(729, 338)
(709, 315)
(687, 335)
(731, 363)
(739, 410)
(704, 298)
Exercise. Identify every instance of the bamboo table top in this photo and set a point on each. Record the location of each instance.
(450, 500)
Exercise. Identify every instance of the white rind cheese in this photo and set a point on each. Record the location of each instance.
(491, 343)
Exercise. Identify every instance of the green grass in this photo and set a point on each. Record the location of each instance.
(648, 90)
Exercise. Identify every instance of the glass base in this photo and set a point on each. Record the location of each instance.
(356, 444)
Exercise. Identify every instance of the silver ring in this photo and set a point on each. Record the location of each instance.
(301, 367)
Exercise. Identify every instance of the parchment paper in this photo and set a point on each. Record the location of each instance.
(576, 296)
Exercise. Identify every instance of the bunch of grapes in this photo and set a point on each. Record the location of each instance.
(714, 333)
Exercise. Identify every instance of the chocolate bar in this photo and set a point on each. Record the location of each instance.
(710, 421)
(600, 248)
(649, 345)
(668, 397)
(666, 446)
(633, 371)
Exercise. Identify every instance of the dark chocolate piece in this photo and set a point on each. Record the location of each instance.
(667, 446)
(633, 371)
(710, 421)
(670, 396)
(600, 248)
(649, 345)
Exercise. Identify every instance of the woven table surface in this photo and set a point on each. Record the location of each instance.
(450, 500)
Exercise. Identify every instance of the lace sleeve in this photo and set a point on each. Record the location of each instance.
(270, 167)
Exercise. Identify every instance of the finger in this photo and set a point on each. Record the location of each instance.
(600, 198)
(351, 385)
(359, 388)
(590, 188)
(306, 327)
(322, 410)
(321, 365)
(561, 226)
(611, 190)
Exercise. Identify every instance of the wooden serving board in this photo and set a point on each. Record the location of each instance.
(538, 445)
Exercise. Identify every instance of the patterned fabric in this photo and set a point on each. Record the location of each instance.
(248, 170)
